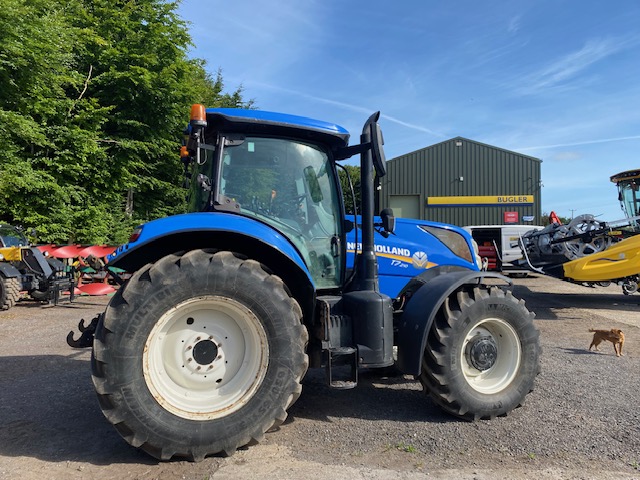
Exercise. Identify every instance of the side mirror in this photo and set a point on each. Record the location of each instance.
(377, 152)
(372, 140)
(388, 220)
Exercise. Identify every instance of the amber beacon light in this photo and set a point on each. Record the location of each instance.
(198, 115)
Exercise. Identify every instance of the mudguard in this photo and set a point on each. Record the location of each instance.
(8, 271)
(428, 292)
(196, 230)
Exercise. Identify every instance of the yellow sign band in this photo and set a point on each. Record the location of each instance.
(498, 200)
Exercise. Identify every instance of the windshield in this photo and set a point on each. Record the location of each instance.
(287, 184)
(11, 237)
(629, 199)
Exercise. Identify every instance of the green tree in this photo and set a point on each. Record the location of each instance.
(145, 77)
(94, 95)
(35, 74)
(350, 177)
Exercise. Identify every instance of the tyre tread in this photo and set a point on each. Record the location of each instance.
(10, 290)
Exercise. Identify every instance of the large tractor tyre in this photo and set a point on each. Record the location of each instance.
(199, 354)
(9, 292)
(482, 354)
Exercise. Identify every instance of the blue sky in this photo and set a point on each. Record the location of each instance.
(555, 79)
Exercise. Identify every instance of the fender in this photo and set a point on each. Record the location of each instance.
(8, 271)
(164, 236)
(429, 291)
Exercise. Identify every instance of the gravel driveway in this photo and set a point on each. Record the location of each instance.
(581, 421)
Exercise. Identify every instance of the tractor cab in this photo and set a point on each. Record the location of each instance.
(628, 184)
(286, 183)
(257, 165)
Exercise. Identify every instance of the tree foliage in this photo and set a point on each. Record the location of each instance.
(350, 178)
(94, 95)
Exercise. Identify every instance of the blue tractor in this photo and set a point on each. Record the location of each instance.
(204, 348)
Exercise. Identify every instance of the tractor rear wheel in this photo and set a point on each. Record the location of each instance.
(198, 354)
(482, 354)
(9, 292)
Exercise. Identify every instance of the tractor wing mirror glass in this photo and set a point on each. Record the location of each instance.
(312, 182)
(377, 150)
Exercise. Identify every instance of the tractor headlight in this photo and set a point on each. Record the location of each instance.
(1, 257)
(454, 241)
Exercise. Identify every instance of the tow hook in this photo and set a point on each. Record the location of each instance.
(86, 334)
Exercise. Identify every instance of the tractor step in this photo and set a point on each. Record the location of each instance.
(342, 367)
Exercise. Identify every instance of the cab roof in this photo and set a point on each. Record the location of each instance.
(272, 123)
(628, 175)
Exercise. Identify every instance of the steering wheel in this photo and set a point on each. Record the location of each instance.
(289, 204)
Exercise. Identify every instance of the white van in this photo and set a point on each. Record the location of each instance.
(498, 244)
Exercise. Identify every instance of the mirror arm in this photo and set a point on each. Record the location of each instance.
(347, 152)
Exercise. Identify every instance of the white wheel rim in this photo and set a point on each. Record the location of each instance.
(205, 358)
(507, 360)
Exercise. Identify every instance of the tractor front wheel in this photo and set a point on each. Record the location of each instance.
(9, 292)
(198, 354)
(482, 354)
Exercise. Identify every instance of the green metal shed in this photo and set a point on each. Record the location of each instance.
(464, 182)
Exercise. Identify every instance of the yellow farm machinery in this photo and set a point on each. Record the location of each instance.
(589, 251)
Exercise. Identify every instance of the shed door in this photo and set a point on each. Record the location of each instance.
(405, 206)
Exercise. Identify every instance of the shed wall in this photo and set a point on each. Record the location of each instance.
(464, 168)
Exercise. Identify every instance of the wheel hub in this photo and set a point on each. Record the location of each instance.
(205, 352)
(629, 287)
(482, 352)
(202, 355)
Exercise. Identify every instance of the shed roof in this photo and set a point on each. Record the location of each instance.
(493, 147)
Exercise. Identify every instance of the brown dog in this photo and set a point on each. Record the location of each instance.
(614, 335)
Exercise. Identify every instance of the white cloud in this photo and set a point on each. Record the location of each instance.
(514, 24)
(567, 156)
(586, 142)
(350, 107)
(560, 72)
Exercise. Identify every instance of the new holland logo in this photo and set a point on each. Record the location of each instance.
(419, 260)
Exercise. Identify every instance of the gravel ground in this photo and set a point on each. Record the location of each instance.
(581, 421)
